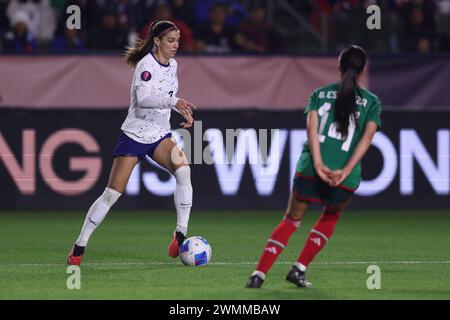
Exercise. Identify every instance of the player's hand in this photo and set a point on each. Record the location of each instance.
(187, 124)
(186, 109)
(339, 176)
(324, 173)
(189, 121)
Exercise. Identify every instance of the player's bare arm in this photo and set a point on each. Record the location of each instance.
(312, 123)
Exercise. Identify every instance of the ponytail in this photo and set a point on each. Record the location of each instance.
(351, 63)
(157, 29)
(142, 48)
(345, 105)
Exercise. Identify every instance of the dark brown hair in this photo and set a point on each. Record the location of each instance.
(143, 47)
(351, 63)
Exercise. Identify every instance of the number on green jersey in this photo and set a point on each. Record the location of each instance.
(324, 112)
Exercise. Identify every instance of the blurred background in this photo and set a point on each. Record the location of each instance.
(228, 26)
(245, 64)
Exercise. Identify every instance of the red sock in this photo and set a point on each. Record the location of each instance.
(276, 243)
(319, 235)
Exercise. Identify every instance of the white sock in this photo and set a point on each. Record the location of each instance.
(183, 197)
(300, 266)
(97, 212)
(260, 274)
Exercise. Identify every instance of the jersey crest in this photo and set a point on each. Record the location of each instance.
(146, 76)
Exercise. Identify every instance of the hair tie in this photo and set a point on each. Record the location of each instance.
(167, 30)
(153, 24)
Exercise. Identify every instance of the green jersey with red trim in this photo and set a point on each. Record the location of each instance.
(336, 151)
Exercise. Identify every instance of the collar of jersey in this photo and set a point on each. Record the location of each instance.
(162, 65)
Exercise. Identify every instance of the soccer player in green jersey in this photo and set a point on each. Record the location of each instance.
(342, 119)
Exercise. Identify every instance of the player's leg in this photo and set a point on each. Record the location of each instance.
(304, 192)
(170, 156)
(278, 240)
(118, 179)
(320, 234)
(336, 200)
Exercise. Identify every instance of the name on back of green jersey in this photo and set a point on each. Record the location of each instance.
(332, 94)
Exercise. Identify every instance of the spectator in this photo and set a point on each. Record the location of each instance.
(89, 21)
(141, 12)
(258, 35)
(90, 14)
(443, 7)
(202, 10)
(163, 11)
(124, 14)
(428, 9)
(69, 40)
(19, 39)
(184, 10)
(123, 10)
(109, 35)
(418, 36)
(215, 36)
(42, 18)
(235, 11)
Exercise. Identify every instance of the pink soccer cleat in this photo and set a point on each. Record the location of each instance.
(175, 244)
(73, 260)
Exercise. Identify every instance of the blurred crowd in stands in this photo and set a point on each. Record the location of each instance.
(207, 26)
(408, 25)
(210, 26)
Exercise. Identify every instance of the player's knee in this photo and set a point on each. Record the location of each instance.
(336, 208)
(296, 213)
(333, 209)
(296, 209)
(178, 160)
(293, 215)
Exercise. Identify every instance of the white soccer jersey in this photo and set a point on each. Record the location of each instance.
(153, 94)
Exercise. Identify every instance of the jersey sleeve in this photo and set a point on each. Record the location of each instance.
(143, 75)
(148, 91)
(374, 113)
(313, 103)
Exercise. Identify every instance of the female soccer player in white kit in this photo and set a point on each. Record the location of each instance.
(146, 131)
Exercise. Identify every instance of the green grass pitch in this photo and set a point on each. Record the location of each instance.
(127, 256)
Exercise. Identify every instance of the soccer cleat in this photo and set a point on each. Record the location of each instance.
(174, 246)
(298, 278)
(254, 282)
(75, 255)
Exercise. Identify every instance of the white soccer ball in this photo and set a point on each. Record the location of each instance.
(195, 251)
